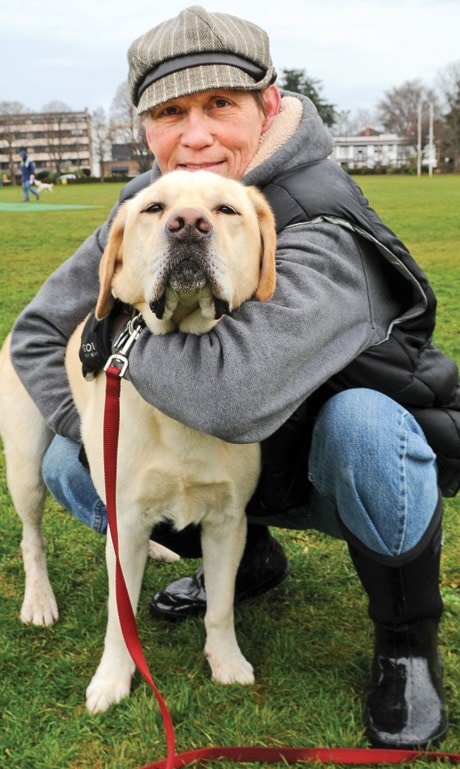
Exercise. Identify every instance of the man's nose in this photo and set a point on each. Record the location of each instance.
(197, 131)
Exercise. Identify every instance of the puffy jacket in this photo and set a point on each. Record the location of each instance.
(407, 366)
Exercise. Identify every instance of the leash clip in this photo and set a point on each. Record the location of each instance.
(123, 344)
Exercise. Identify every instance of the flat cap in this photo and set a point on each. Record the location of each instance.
(196, 51)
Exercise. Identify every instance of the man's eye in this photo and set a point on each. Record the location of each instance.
(170, 111)
(153, 208)
(228, 210)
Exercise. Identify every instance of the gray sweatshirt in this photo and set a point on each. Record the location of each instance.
(244, 379)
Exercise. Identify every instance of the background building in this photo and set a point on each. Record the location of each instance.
(373, 149)
(57, 142)
(127, 160)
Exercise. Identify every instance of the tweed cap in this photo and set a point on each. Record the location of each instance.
(196, 51)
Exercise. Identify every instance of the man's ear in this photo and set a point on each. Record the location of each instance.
(272, 100)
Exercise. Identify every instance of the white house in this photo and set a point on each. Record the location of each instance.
(370, 149)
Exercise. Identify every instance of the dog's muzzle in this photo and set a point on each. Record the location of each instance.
(189, 265)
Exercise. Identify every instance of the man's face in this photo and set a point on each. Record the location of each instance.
(216, 130)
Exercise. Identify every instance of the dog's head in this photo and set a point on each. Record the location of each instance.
(187, 249)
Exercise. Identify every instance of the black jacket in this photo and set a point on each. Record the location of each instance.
(407, 366)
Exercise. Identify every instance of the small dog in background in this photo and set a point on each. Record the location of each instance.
(43, 186)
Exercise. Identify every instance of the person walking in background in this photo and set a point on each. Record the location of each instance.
(28, 176)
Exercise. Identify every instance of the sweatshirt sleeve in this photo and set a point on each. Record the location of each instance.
(40, 334)
(242, 380)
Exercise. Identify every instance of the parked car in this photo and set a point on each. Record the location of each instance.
(67, 176)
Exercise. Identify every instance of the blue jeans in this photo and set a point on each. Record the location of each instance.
(70, 483)
(26, 188)
(370, 466)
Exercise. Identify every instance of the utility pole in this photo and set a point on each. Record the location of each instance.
(419, 139)
(431, 151)
(430, 142)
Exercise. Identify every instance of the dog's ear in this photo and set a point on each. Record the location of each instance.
(267, 280)
(110, 263)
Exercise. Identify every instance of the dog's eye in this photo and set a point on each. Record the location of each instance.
(228, 210)
(154, 208)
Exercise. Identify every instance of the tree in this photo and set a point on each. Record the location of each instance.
(8, 113)
(55, 131)
(398, 110)
(100, 137)
(347, 124)
(449, 80)
(56, 106)
(296, 80)
(127, 128)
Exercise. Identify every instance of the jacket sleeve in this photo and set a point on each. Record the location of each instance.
(244, 379)
(40, 334)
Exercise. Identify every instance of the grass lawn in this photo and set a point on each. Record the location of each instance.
(310, 640)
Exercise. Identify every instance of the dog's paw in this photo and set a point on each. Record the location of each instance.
(233, 670)
(105, 691)
(39, 608)
(160, 553)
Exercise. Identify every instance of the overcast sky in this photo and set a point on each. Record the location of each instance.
(75, 52)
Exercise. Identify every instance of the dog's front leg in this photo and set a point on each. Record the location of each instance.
(222, 551)
(112, 679)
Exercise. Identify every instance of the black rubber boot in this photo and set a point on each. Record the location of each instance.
(263, 566)
(405, 705)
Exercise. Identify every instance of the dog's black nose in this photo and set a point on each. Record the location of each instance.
(189, 223)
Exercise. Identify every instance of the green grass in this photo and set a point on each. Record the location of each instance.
(309, 640)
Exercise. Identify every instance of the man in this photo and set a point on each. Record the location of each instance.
(325, 375)
(28, 176)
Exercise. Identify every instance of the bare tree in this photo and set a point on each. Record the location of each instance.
(123, 116)
(100, 137)
(449, 83)
(343, 123)
(398, 110)
(352, 124)
(126, 128)
(55, 129)
(56, 106)
(8, 131)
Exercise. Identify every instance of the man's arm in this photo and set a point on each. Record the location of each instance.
(243, 380)
(41, 333)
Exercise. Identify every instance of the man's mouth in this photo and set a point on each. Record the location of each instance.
(209, 166)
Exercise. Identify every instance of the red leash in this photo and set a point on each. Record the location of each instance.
(125, 611)
(239, 754)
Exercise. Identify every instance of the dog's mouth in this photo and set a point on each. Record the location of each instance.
(188, 279)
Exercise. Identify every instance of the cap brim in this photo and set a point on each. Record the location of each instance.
(201, 78)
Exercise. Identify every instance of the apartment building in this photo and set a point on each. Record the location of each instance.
(56, 141)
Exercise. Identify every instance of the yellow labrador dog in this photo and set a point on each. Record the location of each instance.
(41, 186)
(182, 251)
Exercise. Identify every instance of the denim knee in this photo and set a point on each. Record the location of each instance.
(70, 483)
(370, 458)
